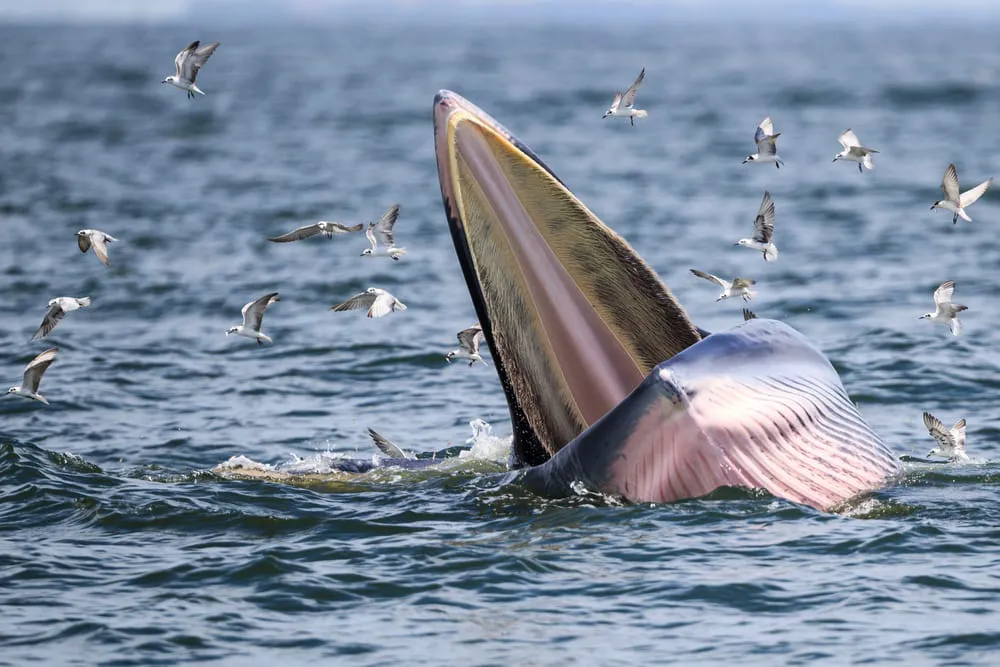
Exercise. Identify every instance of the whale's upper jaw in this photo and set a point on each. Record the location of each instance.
(573, 317)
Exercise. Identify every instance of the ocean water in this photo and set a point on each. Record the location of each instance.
(118, 545)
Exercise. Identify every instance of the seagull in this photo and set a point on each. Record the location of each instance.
(323, 227)
(87, 238)
(854, 151)
(951, 444)
(736, 287)
(33, 373)
(58, 308)
(388, 447)
(763, 226)
(253, 317)
(469, 339)
(377, 301)
(767, 144)
(622, 104)
(957, 203)
(188, 62)
(945, 311)
(381, 230)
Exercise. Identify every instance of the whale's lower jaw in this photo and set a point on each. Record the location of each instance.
(755, 407)
(608, 382)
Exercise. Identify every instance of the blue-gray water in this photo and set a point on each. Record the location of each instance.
(117, 546)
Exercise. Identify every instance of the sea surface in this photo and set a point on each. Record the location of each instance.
(119, 546)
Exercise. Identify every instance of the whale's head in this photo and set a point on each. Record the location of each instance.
(574, 318)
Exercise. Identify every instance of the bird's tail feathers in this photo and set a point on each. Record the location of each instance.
(770, 252)
(963, 215)
(399, 305)
(867, 161)
(640, 113)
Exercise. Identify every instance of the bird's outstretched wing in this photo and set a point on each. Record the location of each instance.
(763, 224)
(972, 195)
(629, 98)
(388, 447)
(470, 338)
(382, 228)
(713, 278)
(49, 322)
(944, 292)
(190, 60)
(949, 184)
(304, 232)
(36, 368)
(253, 312)
(938, 431)
(848, 139)
(356, 302)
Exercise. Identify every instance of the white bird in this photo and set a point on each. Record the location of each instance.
(957, 203)
(387, 447)
(622, 104)
(381, 231)
(323, 227)
(96, 239)
(735, 287)
(469, 339)
(378, 302)
(854, 151)
(767, 144)
(188, 62)
(945, 311)
(58, 308)
(763, 226)
(253, 317)
(951, 444)
(33, 373)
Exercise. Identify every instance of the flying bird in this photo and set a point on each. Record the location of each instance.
(951, 443)
(253, 317)
(378, 302)
(327, 229)
(854, 151)
(735, 287)
(58, 308)
(96, 239)
(33, 373)
(945, 311)
(957, 203)
(380, 231)
(469, 340)
(622, 104)
(767, 144)
(763, 226)
(188, 62)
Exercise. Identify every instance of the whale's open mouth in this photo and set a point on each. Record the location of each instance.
(574, 318)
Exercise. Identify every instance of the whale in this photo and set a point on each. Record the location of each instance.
(609, 385)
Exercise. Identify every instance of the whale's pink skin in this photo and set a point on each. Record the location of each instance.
(757, 407)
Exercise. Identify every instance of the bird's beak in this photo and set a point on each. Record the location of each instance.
(835, 159)
(933, 206)
(745, 160)
(738, 243)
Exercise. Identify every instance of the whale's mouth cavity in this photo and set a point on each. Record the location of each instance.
(573, 317)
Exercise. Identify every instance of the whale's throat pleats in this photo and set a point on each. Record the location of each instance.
(573, 316)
